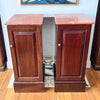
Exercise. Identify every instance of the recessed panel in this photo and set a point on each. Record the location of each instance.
(26, 55)
(72, 53)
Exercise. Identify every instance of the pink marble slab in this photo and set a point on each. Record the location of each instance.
(72, 19)
(25, 19)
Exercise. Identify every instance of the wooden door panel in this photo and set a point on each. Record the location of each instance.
(70, 55)
(26, 55)
(72, 48)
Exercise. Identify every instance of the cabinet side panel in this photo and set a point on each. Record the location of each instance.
(26, 55)
(3, 57)
(72, 51)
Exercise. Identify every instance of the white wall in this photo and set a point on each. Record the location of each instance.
(11, 7)
(49, 37)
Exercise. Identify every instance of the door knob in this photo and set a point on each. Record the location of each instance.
(59, 44)
(11, 45)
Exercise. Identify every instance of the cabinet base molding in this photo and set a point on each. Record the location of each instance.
(70, 86)
(2, 68)
(29, 86)
(96, 67)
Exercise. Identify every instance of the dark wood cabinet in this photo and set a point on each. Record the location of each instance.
(95, 54)
(26, 49)
(72, 46)
(3, 58)
(73, 33)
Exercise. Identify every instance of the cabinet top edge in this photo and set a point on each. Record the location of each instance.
(62, 19)
(25, 19)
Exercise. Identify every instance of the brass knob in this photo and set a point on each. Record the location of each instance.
(11, 45)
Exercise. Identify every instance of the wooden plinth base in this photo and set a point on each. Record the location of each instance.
(70, 86)
(96, 67)
(29, 86)
(2, 68)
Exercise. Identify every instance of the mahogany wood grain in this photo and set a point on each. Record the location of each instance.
(12, 29)
(95, 54)
(24, 33)
(27, 56)
(29, 86)
(3, 58)
(60, 29)
(25, 49)
(73, 35)
(70, 86)
(72, 53)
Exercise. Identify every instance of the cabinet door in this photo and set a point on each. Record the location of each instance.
(25, 47)
(72, 55)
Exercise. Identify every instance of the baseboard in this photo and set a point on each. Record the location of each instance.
(9, 65)
(88, 64)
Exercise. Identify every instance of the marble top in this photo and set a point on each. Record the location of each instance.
(72, 19)
(25, 19)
